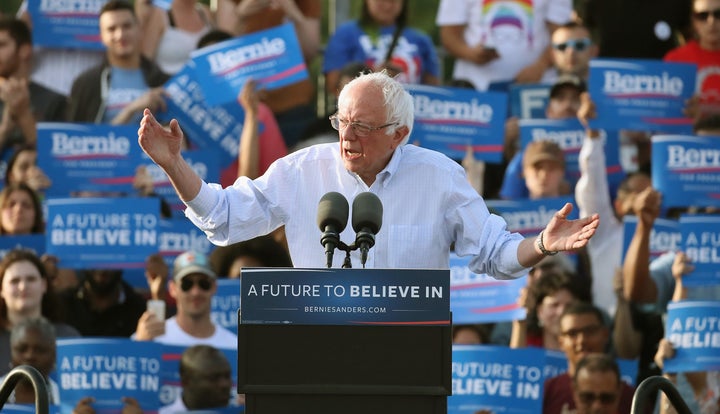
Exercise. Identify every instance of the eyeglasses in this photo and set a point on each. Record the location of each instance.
(360, 130)
(578, 44)
(187, 284)
(587, 330)
(705, 15)
(605, 398)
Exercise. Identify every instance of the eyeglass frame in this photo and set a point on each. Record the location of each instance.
(585, 44)
(335, 122)
(704, 16)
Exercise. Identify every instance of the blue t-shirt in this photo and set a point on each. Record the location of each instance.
(126, 85)
(414, 52)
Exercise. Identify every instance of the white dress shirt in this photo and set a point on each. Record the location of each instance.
(428, 204)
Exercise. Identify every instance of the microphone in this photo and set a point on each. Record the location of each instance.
(332, 218)
(366, 221)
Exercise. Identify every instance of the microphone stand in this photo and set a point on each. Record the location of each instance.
(347, 249)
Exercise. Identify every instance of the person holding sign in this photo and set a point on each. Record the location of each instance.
(381, 39)
(428, 203)
(293, 104)
(22, 101)
(116, 91)
(193, 286)
(704, 51)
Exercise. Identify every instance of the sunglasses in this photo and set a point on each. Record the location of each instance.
(577, 44)
(605, 398)
(187, 284)
(705, 15)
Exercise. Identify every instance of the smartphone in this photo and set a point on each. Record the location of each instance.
(157, 307)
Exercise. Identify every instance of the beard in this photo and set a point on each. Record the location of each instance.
(104, 282)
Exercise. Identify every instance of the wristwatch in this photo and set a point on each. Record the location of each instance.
(539, 243)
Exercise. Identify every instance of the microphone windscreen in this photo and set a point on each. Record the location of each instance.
(367, 212)
(333, 210)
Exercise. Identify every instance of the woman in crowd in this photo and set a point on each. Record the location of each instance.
(546, 300)
(25, 293)
(169, 36)
(23, 168)
(382, 39)
(20, 211)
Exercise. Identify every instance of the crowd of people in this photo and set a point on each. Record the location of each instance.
(600, 304)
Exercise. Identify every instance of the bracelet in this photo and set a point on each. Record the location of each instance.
(539, 243)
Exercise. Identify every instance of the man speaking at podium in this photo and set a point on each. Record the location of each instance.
(427, 203)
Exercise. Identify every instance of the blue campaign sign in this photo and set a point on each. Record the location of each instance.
(664, 236)
(686, 170)
(569, 134)
(226, 303)
(28, 409)
(170, 385)
(179, 235)
(33, 242)
(66, 24)
(529, 217)
(497, 379)
(529, 101)
(693, 328)
(701, 243)
(271, 57)
(345, 296)
(646, 95)
(88, 157)
(205, 164)
(206, 126)
(479, 298)
(449, 120)
(91, 233)
(108, 370)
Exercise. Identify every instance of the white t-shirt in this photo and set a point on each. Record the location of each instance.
(518, 32)
(174, 335)
(178, 406)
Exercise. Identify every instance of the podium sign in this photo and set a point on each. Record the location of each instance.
(345, 340)
(345, 297)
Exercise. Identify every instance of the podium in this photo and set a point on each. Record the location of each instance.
(382, 346)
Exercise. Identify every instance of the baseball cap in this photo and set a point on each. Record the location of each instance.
(545, 150)
(189, 263)
(564, 81)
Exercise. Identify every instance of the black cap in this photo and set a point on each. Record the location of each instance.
(567, 81)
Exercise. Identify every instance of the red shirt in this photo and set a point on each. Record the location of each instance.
(708, 74)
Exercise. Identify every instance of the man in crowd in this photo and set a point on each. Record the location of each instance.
(193, 287)
(572, 49)
(597, 385)
(205, 376)
(103, 304)
(582, 332)
(428, 204)
(117, 90)
(22, 101)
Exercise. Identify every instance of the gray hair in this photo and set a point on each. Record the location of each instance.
(398, 102)
(40, 324)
